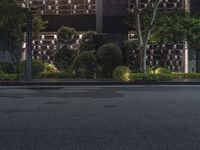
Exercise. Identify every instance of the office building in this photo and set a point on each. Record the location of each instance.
(103, 16)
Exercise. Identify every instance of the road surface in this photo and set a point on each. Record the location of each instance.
(100, 118)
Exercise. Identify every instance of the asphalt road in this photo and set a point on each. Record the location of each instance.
(100, 118)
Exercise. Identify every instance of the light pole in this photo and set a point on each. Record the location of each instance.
(26, 4)
(29, 45)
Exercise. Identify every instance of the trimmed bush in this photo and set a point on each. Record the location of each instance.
(85, 65)
(7, 67)
(150, 77)
(67, 35)
(64, 58)
(109, 57)
(186, 75)
(37, 66)
(121, 73)
(88, 41)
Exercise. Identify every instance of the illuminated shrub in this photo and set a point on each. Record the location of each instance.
(121, 73)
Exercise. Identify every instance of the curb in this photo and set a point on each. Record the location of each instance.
(85, 83)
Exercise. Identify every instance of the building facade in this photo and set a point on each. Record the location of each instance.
(103, 16)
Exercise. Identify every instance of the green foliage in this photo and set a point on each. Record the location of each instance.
(64, 58)
(13, 21)
(176, 26)
(55, 75)
(121, 73)
(162, 70)
(50, 68)
(1, 72)
(109, 57)
(150, 77)
(85, 64)
(37, 66)
(158, 70)
(150, 70)
(88, 41)
(186, 75)
(38, 24)
(7, 67)
(67, 35)
(129, 56)
(8, 77)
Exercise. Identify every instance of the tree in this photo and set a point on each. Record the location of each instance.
(13, 20)
(144, 28)
(172, 27)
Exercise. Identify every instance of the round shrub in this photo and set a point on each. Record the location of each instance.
(7, 67)
(37, 66)
(162, 70)
(121, 73)
(88, 41)
(85, 65)
(109, 57)
(67, 35)
(64, 58)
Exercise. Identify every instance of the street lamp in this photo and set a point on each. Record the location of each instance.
(26, 4)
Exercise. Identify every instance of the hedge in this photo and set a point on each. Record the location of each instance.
(55, 75)
(150, 77)
(186, 75)
(9, 77)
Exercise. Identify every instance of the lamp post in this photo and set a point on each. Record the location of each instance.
(29, 45)
(26, 4)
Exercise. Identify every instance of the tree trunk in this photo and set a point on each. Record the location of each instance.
(139, 32)
(155, 9)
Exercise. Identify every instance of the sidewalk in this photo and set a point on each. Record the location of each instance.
(85, 82)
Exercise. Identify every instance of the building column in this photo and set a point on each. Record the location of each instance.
(186, 47)
(186, 57)
(99, 16)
